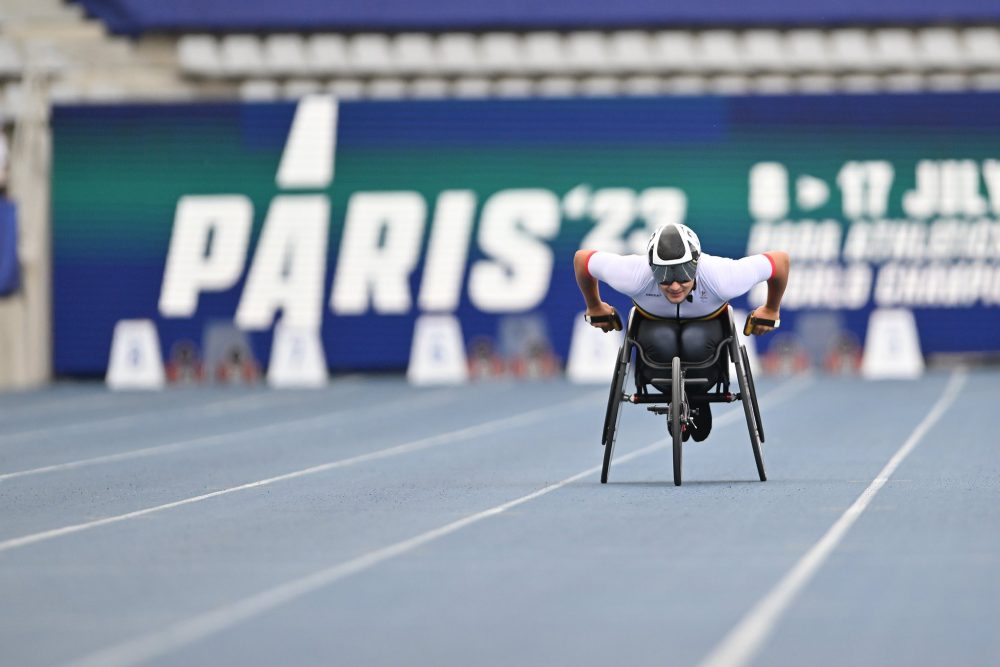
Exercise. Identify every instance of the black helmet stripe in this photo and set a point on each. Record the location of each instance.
(671, 245)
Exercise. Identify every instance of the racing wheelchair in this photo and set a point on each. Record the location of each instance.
(668, 395)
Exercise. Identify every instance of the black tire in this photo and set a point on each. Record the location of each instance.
(748, 410)
(676, 407)
(753, 393)
(614, 400)
(613, 414)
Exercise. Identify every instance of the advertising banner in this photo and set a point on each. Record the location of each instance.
(352, 219)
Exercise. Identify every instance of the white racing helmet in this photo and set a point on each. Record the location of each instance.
(673, 251)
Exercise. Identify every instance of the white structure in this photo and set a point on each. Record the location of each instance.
(437, 354)
(297, 359)
(136, 359)
(892, 346)
(592, 353)
(739, 318)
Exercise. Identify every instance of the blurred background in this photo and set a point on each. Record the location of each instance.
(249, 191)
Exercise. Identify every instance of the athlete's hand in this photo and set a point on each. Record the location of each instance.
(600, 311)
(764, 313)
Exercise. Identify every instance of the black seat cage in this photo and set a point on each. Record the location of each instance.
(685, 365)
(721, 357)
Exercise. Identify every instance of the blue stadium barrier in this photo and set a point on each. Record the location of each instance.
(10, 278)
(134, 17)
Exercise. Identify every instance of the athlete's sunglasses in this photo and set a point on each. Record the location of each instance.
(681, 273)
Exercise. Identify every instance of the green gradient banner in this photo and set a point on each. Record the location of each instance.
(355, 218)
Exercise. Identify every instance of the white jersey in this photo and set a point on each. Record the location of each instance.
(718, 280)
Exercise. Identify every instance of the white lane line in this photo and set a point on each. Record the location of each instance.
(214, 407)
(101, 397)
(157, 643)
(484, 428)
(120, 405)
(743, 642)
(280, 428)
(145, 648)
(244, 401)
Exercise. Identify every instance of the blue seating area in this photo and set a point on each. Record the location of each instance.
(595, 63)
(137, 17)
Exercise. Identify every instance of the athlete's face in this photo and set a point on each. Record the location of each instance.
(676, 291)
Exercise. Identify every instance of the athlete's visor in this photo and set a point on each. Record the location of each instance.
(681, 273)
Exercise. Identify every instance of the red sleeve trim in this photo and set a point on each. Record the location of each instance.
(774, 267)
(586, 262)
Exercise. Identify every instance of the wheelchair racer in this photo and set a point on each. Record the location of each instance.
(680, 292)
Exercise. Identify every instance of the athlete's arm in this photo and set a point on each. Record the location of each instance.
(590, 289)
(775, 289)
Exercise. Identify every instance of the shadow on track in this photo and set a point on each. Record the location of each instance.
(669, 483)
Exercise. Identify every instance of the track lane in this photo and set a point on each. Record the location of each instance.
(496, 584)
(914, 581)
(475, 460)
(697, 556)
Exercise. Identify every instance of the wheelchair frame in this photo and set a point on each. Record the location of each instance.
(673, 400)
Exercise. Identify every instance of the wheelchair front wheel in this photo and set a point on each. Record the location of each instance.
(676, 409)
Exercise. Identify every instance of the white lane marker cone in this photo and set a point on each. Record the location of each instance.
(892, 346)
(136, 360)
(739, 318)
(437, 354)
(592, 353)
(297, 358)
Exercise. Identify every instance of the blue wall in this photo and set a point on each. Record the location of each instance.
(139, 16)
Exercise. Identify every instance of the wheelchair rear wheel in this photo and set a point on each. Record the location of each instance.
(613, 414)
(753, 393)
(749, 400)
(676, 409)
